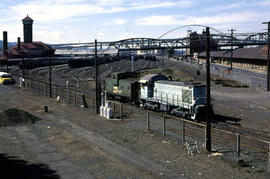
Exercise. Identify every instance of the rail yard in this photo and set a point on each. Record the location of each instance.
(228, 122)
(171, 106)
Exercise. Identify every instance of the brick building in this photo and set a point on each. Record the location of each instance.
(29, 48)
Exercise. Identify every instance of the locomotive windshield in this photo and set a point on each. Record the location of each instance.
(199, 92)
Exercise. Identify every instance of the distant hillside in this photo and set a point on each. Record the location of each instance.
(10, 44)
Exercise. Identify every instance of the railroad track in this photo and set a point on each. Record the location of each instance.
(40, 74)
(222, 136)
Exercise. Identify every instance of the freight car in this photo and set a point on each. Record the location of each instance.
(31, 63)
(81, 62)
(90, 61)
(150, 58)
(123, 86)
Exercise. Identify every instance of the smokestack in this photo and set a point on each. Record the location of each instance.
(19, 44)
(5, 41)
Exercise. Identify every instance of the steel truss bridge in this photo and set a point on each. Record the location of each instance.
(134, 44)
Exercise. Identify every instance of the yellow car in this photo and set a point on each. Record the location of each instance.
(6, 78)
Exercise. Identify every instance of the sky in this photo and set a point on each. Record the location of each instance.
(74, 21)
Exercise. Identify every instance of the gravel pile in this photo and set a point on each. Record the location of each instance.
(230, 83)
(15, 116)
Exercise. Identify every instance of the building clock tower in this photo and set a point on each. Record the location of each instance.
(27, 29)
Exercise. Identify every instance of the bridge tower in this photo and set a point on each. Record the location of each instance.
(27, 29)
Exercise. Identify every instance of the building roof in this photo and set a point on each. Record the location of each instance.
(35, 49)
(27, 18)
(256, 53)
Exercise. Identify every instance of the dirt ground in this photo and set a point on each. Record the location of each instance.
(72, 142)
(250, 107)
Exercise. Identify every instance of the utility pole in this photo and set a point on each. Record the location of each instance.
(20, 50)
(232, 30)
(208, 104)
(97, 86)
(50, 71)
(268, 55)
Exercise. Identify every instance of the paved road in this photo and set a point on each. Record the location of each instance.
(251, 78)
(257, 79)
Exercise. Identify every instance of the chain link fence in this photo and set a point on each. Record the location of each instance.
(220, 72)
(62, 93)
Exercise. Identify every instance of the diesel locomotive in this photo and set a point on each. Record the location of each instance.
(157, 92)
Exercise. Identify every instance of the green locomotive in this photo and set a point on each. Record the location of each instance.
(123, 86)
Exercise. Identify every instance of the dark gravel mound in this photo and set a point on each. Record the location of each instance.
(14, 116)
(230, 83)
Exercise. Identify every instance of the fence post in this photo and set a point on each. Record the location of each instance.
(269, 159)
(238, 145)
(121, 111)
(183, 131)
(114, 112)
(31, 86)
(55, 90)
(39, 88)
(164, 125)
(68, 95)
(93, 104)
(75, 98)
(148, 121)
(44, 88)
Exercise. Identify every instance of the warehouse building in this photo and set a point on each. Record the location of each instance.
(254, 58)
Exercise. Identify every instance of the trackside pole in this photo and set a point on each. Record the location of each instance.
(208, 104)
(148, 121)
